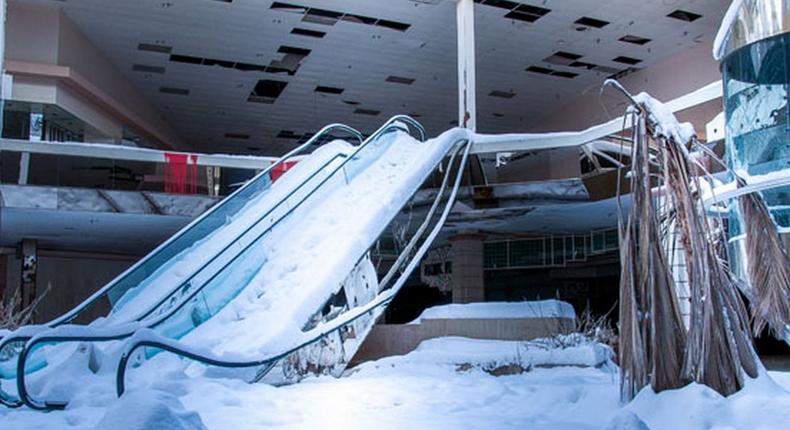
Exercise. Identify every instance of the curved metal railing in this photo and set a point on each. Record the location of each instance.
(120, 332)
(387, 293)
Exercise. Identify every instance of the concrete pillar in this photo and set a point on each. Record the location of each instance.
(466, 254)
(467, 106)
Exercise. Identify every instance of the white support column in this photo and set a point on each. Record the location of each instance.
(467, 115)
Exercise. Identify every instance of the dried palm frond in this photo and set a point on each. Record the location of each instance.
(717, 350)
(767, 266)
(767, 261)
(652, 336)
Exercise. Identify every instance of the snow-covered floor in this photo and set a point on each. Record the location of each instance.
(445, 384)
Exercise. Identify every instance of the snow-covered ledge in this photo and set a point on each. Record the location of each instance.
(517, 321)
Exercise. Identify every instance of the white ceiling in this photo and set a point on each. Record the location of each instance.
(359, 57)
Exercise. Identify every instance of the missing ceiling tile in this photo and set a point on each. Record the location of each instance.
(291, 60)
(321, 16)
(400, 80)
(561, 74)
(527, 13)
(291, 8)
(221, 63)
(394, 25)
(328, 90)
(174, 91)
(636, 40)
(502, 4)
(550, 72)
(287, 134)
(149, 47)
(308, 33)
(186, 59)
(148, 69)
(359, 19)
(591, 22)
(502, 94)
(583, 65)
(627, 60)
(562, 58)
(267, 91)
(684, 15)
(541, 70)
(369, 112)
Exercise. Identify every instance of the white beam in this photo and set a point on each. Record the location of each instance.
(489, 143)
(465, 14)
(118, 152)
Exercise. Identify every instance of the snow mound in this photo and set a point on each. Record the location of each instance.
(499, 310)
(149, 410)
(626, 420)
(567, 350)
(761, 404)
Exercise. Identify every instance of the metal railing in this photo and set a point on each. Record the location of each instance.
(118, 333)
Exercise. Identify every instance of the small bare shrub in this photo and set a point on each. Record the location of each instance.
(13, 315)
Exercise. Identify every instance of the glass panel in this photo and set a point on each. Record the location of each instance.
(756, 79)
(527, 253)
(558, 251)
(495, 255)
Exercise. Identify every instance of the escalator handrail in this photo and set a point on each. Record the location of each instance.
(392, 124)
(30, 331)
(383, 298)
(74, 312)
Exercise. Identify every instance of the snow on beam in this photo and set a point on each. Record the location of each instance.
(491, 143)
